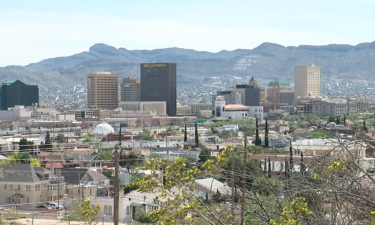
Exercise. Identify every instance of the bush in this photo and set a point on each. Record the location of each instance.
(142, 217)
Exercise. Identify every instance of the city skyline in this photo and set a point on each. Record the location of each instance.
(39, 30)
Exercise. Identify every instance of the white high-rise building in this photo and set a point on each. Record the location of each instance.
(307, 81)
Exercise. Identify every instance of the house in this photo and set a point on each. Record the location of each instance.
(26, 184)
(129, 205)
(87, 161)
(208, 187)
(84, 183)
(171, 154)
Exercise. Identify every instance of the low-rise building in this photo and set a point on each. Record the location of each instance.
(26, 184)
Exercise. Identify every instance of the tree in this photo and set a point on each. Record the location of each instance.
(196, 135)
(269, 168)
(258, 142)
(142, 217)
(47, 142)
(88, 213)
(23, 144)
(185, 134)
(266, 144)
(61, 138)
(204, 155)
(317, 134)
(344, 120)
(20, 157)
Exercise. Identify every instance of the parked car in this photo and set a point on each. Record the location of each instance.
(53, 205)
(41, 207)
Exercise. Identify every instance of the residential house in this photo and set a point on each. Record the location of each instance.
(129, 205)
(26, 184)
(84, 183)
(87, 161)
(171, 154)
(208, 187)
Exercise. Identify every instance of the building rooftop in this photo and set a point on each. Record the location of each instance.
(9, 81)
(274, 83)
(233, 107)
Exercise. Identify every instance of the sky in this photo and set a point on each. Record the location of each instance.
(31, 31)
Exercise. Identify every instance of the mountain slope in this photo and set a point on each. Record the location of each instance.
(267, 61)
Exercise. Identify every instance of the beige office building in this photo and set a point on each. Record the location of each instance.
(102, 90)
(131, 90)
(307, 81)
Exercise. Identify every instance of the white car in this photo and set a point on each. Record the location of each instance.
(53, 205)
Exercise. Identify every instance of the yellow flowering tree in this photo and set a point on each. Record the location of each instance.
(88, 213)
(177, 186)
(293, 213)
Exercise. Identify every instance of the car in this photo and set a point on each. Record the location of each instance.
(41, 207)
(53, 205)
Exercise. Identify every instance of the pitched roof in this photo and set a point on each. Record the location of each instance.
(23, 173)
(96, 176)
(73, 175)
(83, 158)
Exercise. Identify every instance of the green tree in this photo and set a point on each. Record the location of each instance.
(20, 157)
(61, 138)
(196, 135)
(204, 155)
(258, 142)
(47, 142)
(142, 217)
(317, 134)
(145, 137)
(266, 144)
(23, 144)
(88, 213)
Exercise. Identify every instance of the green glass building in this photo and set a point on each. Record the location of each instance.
(15, 92)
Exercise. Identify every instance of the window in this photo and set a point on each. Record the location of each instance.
(28, 188)
(108, 209)
(127, 210)
(27, 200)
(5, 186)
(10, 186)
(19, 187)
(8, 200)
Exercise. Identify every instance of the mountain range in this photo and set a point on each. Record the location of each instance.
(267, 61)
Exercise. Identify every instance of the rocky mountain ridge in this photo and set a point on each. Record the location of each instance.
(267, 61)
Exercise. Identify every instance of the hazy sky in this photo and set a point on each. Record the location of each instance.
(31, 31)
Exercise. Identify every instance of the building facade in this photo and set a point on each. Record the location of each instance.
(102, 90)
(274, 88)
(15, 92)
(158, 83)
(286, 97)
(160, 108)
(131, 90)
(307, 81)
(325, 107)
(231, 97)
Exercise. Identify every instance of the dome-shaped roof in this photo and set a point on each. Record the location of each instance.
(103, 129)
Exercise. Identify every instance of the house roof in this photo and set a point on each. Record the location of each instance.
(73, 175)
(211, 184)
(23, 173)
(83, 158)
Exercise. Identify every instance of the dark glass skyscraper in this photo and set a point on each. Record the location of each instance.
(15, 92)
(158, 83)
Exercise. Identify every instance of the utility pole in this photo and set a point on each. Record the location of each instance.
(244, 181)
(232, 181)
(116, 197)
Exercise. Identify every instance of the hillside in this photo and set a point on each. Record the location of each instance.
(267, 61)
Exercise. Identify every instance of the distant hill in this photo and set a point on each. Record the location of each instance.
(267, 61)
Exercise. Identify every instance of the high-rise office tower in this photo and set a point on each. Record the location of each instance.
(102, 90)
(15, 92)
(131, 90)
(158, 83)
(306, 81)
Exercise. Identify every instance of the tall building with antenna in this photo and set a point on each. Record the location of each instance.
(158, 83)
